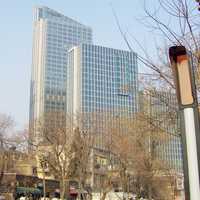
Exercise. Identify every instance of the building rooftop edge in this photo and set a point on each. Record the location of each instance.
(60, 14)
(97, 45)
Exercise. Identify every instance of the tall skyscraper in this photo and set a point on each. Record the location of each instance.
(101, 80)
(53, 35)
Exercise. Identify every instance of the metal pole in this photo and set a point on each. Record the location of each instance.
(184, 153)
(183, 70)
(191, 143)
(197, 128)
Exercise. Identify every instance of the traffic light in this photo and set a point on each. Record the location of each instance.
(198, 1)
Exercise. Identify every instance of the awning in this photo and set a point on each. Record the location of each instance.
(25, 190)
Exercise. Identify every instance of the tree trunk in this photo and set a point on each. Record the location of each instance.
(2, 169)
(62, 189)
(1, 176)
(80, 188)
(104, 195)
(149, 192)
(67, 188)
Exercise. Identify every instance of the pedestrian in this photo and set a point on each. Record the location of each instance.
(56, 196)
(46, 198)
(30, 196)
(2, 197)
(22, 197)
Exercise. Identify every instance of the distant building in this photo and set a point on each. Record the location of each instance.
(101, 80)
(162, 107)
(53, 35)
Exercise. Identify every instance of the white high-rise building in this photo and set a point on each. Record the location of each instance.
(101, 80)
(54, 34)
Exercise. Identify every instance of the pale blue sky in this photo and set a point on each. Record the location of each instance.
(16, 40)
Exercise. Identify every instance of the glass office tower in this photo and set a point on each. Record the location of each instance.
(53, 35)
(161, 106)
(101, 80)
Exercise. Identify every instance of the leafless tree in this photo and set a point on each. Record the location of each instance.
(6, 123)
(170, 23)
(54, 148)
(65, 148)
(80, 165)
(134, 145)
(176, 23)
(11, 143)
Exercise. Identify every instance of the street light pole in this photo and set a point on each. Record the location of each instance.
(187, 99)
(193, 170)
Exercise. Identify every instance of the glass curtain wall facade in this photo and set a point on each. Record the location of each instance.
(54, 34)
(102, 80)
(162, 108)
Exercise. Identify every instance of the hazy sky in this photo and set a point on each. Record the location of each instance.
(16, 40)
